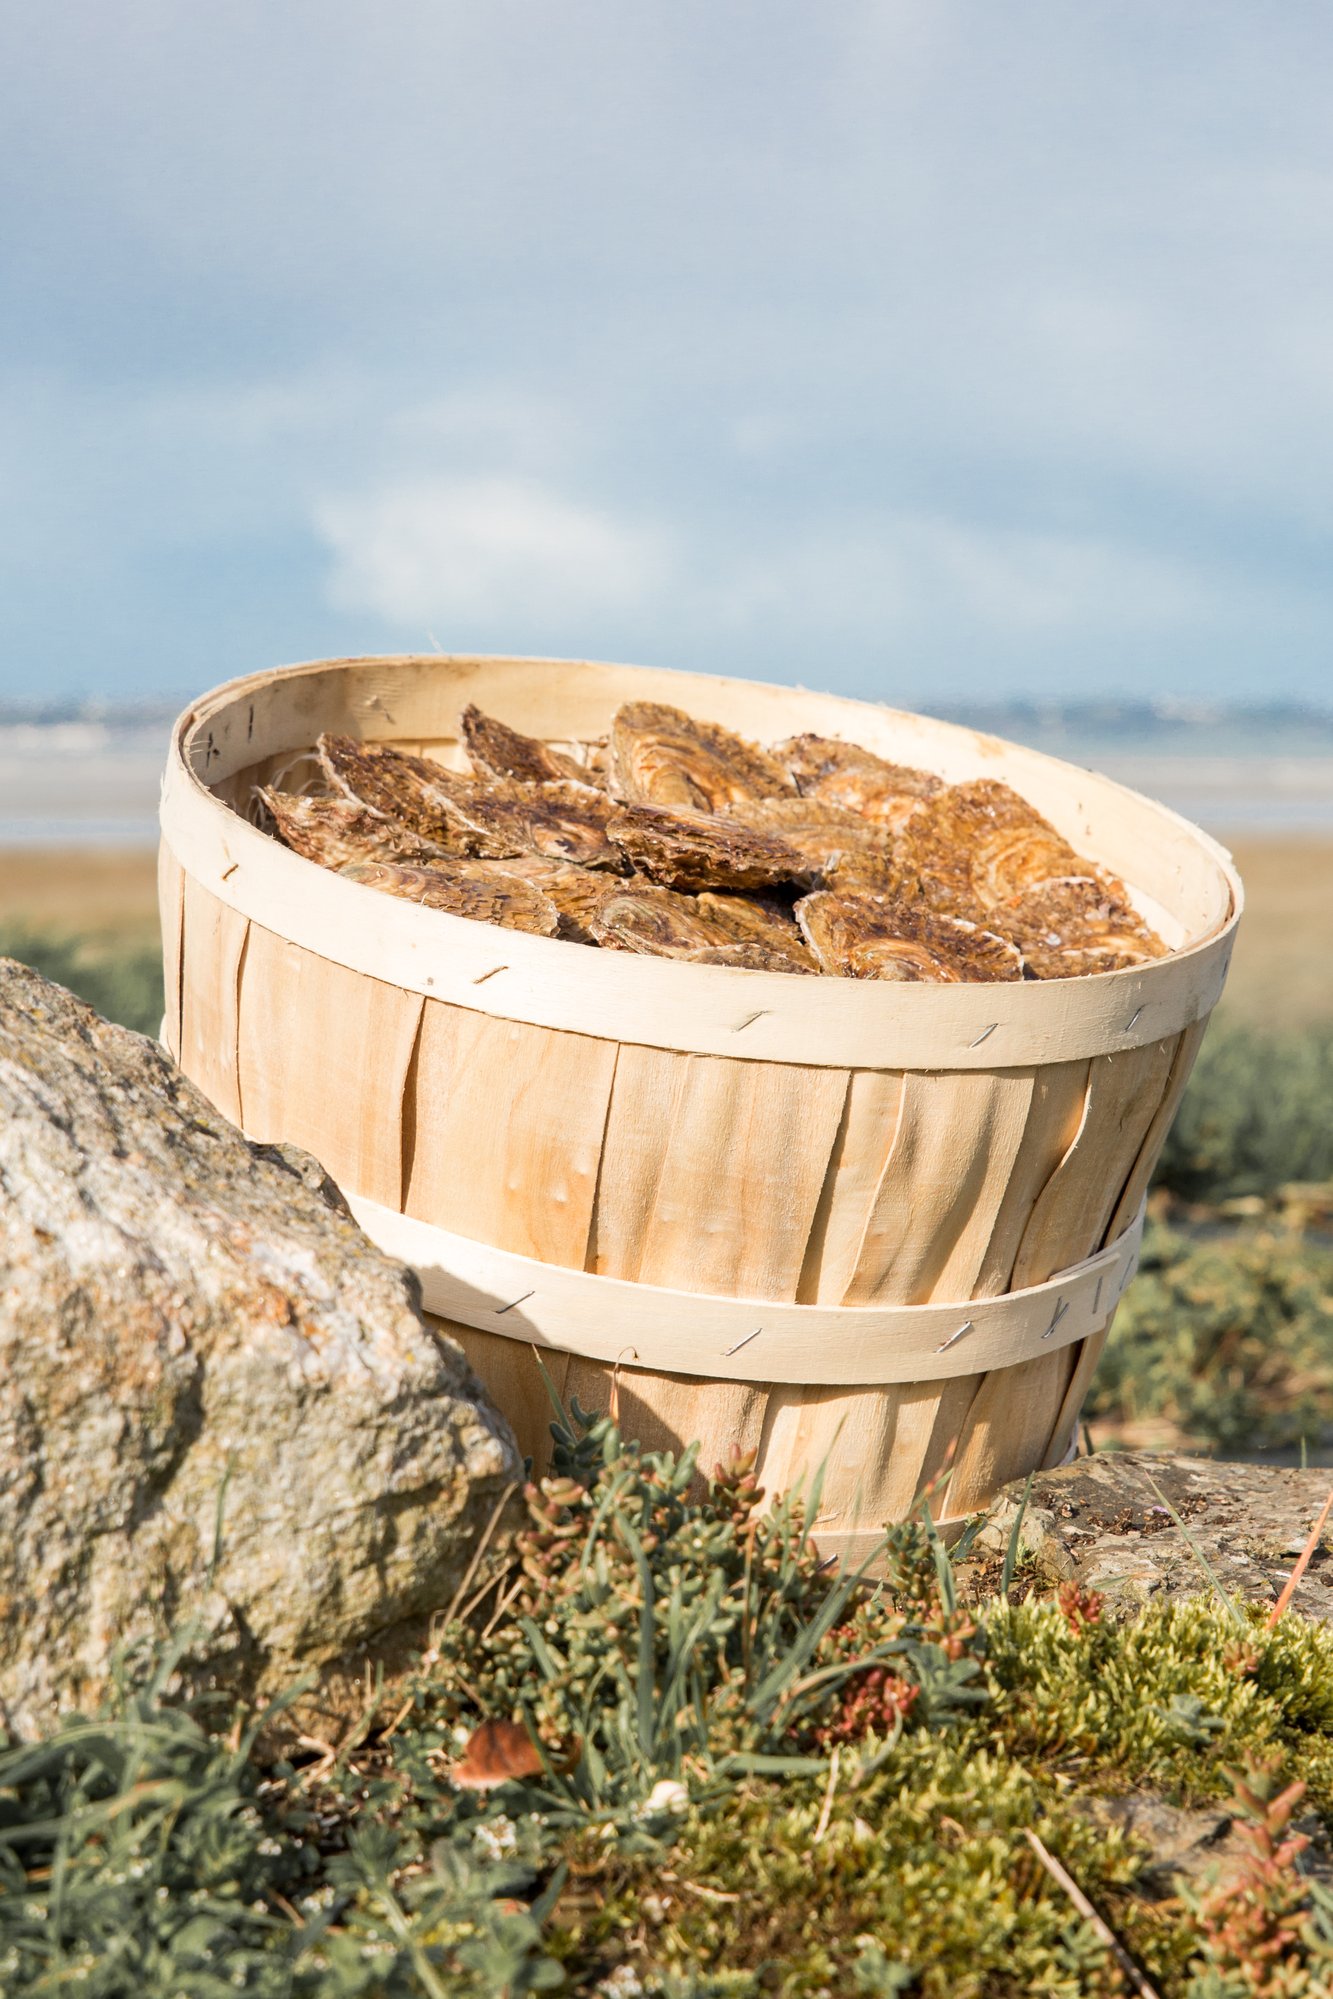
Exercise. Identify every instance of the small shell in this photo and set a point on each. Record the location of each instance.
(691, 850)
(497, 750)
(856, 780)
(662, 756)
(334, 831)
(868, 937)
(464, 888)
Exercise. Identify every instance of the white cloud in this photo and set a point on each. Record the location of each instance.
(482, 550)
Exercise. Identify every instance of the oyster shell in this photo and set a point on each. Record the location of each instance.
(759, 921)
(463, 888)
(565, 819)
(870, 937)
(821, 834)
(497, 750)
(422, 796)
(655, 921)
(981, 841)
(749, 958)
(692, 850)
(662, 756)
(578, 893)
(334, 831)
(856, 780)
(1070, 927)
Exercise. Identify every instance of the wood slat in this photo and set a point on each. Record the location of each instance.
(214, 946)
(1074, 1211)
(878, 1450)
(171, 913)
(866, 1135)
(507, 1126)
(324, 1062)
(934, 1209)
(1136, 1186)
(712, 1172)
(1009, 1428)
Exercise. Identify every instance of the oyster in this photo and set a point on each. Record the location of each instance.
(423, 796)
(655, 921)
(497, 750)
(820, 833)
(578, 893)
(856, 780)
(692, 850)
(563, 818)
(662, 756)
(870, 937)
(749, 958)
(759, 921)
(982, 840)
(1069, 927)
(463, 888)
(334, 831)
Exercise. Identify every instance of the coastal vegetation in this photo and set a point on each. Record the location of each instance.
(663, 1751)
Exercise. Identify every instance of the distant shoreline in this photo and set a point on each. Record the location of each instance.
(85, 784)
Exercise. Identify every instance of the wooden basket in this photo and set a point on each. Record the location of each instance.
(831, 1219)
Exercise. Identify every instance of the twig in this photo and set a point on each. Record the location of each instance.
(710, 1894)
(401, 1716)
(1064, 1879)
(826, 1808)
(1306, 1556)
(479, 1551)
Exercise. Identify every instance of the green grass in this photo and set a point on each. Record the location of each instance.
(1224, 1341)
(124, 984)
(1257, 1115)
(749, 1778)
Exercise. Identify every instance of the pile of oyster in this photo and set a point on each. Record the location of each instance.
(677, 838)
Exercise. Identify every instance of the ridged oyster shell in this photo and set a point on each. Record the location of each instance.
(692, 850)
(869, 937)
(497, 750)
(855, 780)
(1069, 927)
(662, 756)
(821, 834)
(578, 893)
(760, 921)
(464, 888)
(335, 831)
(656, 922)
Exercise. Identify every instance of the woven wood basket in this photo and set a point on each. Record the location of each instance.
(836, 1220)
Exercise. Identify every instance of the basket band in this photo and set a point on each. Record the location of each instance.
(739, 1339)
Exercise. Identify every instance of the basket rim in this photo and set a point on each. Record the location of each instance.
(662, 1002)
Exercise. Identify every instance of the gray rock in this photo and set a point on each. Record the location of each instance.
(220, 1406)
(1107, 1522)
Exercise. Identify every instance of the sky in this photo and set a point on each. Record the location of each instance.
(925, 352)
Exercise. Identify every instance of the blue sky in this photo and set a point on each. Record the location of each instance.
(922, 351)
